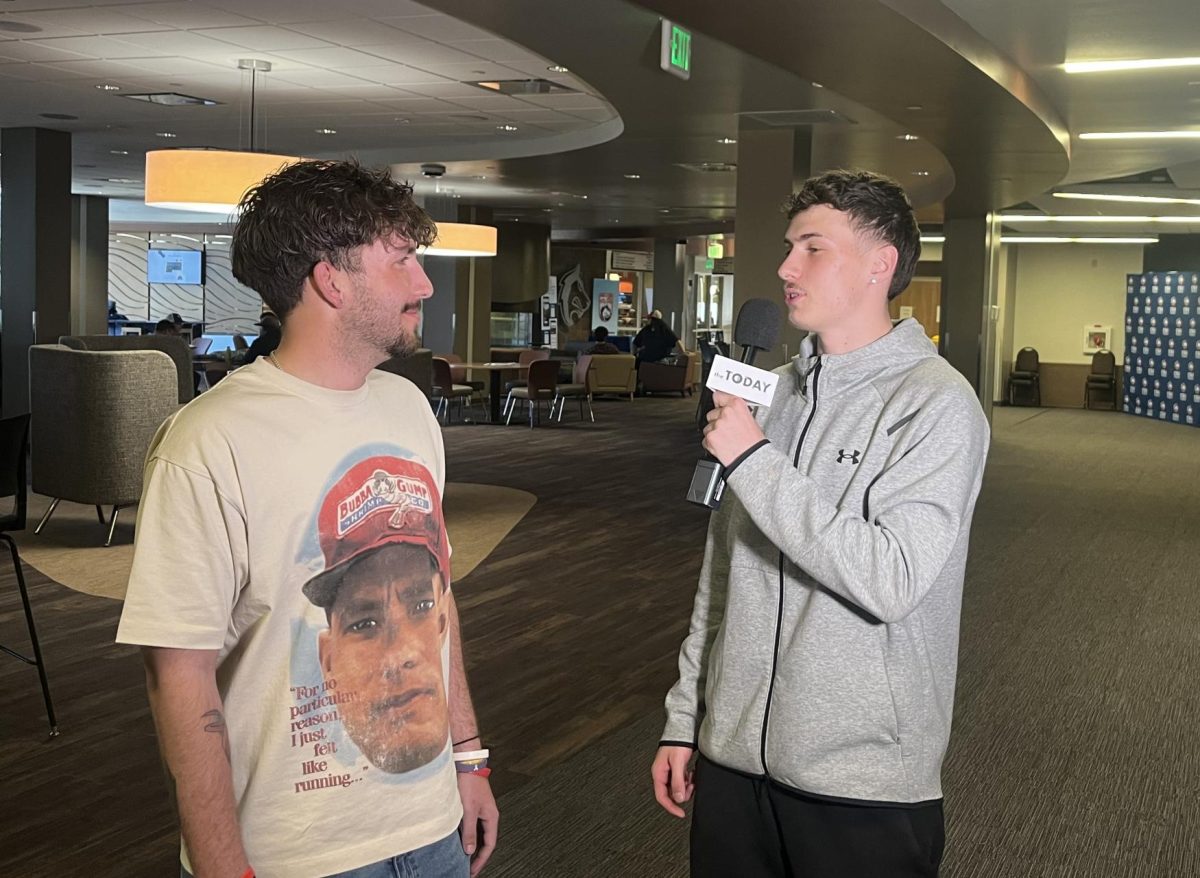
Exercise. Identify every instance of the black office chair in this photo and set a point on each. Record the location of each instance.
(14, 452)
(1025, 379)
(1102, 378)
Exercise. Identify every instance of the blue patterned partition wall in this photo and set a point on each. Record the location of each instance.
(1162, 346)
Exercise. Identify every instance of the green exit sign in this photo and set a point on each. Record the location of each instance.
(676, 55)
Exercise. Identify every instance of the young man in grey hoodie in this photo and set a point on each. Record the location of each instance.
(817, 678)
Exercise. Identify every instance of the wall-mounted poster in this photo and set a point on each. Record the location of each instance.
(604, 304)
(1096, 338)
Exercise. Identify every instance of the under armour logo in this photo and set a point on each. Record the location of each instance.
(851, 456)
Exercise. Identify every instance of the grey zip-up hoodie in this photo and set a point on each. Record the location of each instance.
(824, 636)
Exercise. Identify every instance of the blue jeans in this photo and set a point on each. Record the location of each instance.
(442, 859)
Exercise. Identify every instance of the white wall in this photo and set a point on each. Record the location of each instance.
(1060, 288)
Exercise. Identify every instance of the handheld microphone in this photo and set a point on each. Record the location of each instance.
(756, 329)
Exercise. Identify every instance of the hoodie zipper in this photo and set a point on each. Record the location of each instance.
(816, 373)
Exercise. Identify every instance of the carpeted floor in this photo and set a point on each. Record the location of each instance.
(1074, 750)
(70, 549)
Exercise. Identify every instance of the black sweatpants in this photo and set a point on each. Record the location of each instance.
(750, 827)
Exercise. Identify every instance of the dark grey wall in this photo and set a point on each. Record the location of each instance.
(35, 217)
(1173, 253)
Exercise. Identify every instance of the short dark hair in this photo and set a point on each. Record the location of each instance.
(166, 327)
(600, 332)
(876, 205)
(318, 211)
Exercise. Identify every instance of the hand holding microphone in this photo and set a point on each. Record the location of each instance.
(731, 428)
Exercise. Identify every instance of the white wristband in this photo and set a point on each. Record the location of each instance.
(470, 755)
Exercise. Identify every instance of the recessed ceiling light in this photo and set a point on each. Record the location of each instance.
(726, 140)
(325, 130)
(920, 173)
(481, 176)
(633, 176)
(506, 127)
(118, 152)
(1128, 64)
(914, 107)
(817, 85)
(104, 86)
(164, 134)
(1129, 199)
(557, 68)
(664, 210)
(907, 137)
(1140, 135)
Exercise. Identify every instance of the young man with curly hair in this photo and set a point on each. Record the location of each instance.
(291, 579)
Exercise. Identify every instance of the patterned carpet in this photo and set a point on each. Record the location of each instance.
(1074, 749)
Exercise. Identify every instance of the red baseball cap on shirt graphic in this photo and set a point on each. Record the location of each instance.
(379, 501)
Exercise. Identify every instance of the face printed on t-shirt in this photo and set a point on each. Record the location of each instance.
(383, 651)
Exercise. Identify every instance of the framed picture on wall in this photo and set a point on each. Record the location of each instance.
(1096, 338)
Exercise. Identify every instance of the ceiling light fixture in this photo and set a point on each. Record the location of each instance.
(506, 127)
(118, 152)
(920, 173)
(1050, 239)
(104, 86)
(1125, 199)
(1058, 218)
(726, 140)
(166, 134)
(557, 68)
(907, 137)
(633, 176)
(1128, 64)
(1140, 135)
(462, 239)
(211, 180)
(817, 85)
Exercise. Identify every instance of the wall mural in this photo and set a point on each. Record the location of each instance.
(574, 298)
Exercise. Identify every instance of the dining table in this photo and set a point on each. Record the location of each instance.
(495, 382)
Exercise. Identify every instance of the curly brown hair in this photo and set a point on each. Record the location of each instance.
(876, 204)
(318, 211)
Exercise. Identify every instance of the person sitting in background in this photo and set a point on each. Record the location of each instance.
(655, 341)
(268, 339)
(166, 327)
(602, 345)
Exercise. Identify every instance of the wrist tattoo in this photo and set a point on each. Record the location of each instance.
(216, 725)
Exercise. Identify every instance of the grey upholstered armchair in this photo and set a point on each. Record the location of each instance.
(174, 347)
(94, 415)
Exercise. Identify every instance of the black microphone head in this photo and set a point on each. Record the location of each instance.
(757, 325)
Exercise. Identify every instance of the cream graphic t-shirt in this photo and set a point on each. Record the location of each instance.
(299, 531)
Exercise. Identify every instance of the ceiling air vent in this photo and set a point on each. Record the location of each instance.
(796, 118)
(522, 86)
(708, 167)
(172, 99)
